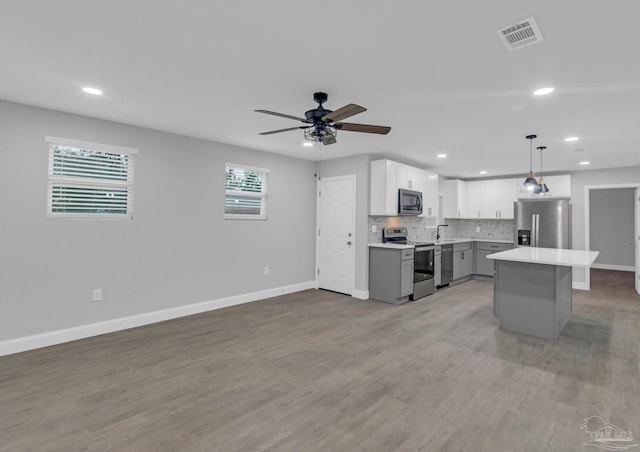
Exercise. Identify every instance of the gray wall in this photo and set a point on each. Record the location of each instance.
(177, 250)
(612, 225)
(358, 165)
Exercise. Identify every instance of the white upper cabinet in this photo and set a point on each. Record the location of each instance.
(430, 199)
(454, 198)
(383, 188)
(508, 194)
(406, 179)
(491, 198)
(559, 187)
(388, 176)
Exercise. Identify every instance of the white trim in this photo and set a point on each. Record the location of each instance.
(360, 294)
(247, 167)
(621, 268)
(587, 230)
(22, 344)
(90, 145)
(580, 285)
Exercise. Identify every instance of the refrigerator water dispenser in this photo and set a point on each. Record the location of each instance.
(524, 237)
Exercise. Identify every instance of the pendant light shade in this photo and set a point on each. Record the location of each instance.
(542, 187)
(530, 182)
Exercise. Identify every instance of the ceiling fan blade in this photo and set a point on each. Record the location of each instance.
(351, 127)
(282, 115)
(343, 113)
(284, 130)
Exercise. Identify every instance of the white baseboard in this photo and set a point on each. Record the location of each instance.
(621, 268)
(22, 344)
(360, 294)
(579, 285)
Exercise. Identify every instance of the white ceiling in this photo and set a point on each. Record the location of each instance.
(435, 72)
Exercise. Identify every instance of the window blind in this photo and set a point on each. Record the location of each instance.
(89, 182)
(246, 192)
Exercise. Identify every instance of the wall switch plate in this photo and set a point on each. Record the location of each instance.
(478, 229)
(266, 271)
(374, 228)
(96, 295)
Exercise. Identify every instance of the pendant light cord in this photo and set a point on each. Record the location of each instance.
(540, 163)
(531, 138)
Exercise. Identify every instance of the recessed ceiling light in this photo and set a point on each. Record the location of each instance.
(442, 156)
(484, 172)
(571, 139)
(90, 90)
(307, 144)
(542, 91)
(584, 163)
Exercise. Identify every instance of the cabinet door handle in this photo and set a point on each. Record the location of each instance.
(349, 242)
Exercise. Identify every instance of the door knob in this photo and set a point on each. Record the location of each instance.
(349, 242)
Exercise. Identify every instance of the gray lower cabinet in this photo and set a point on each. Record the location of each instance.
(462, 260)
(484, 266)
(390, 274)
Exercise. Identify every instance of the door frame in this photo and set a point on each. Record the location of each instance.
(354, 235)
(587, 228)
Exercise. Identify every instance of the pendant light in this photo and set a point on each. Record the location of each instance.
(542, 187)
(530, 182)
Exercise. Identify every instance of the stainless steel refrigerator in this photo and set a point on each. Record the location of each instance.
(544, 223)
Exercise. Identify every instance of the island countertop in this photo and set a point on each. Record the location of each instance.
(549, 256)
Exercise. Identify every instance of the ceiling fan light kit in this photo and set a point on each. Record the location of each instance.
(323, 124)
(530, 182)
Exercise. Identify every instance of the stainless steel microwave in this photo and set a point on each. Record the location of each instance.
(409, 202)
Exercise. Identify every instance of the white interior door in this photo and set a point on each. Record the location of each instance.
(336, 240)
(637, 242)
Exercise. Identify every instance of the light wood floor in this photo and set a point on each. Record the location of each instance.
(318, 371)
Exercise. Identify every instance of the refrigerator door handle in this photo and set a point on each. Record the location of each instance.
(533, 230)
(537, 230)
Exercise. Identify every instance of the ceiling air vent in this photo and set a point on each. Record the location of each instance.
(520, 34)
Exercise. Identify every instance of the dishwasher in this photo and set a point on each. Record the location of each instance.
(446, 270)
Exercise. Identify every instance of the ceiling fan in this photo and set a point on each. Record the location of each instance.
(323, 124)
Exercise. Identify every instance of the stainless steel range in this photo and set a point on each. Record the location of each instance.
(423, 261)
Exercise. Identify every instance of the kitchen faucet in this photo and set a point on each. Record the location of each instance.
(438, 230)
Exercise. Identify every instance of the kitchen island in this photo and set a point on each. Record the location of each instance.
(532, 288)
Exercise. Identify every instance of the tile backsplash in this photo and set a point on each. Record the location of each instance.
(424, 229)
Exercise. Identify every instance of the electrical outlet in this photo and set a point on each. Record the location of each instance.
(478, 229)
(374, 228)
(266, 271)
(96, 295)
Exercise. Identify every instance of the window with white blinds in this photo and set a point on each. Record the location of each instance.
(89, 179)
(246, 192)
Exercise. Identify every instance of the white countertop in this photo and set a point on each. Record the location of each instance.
(437, 242)
(550, 256)
(391, 245)
(460, 240)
